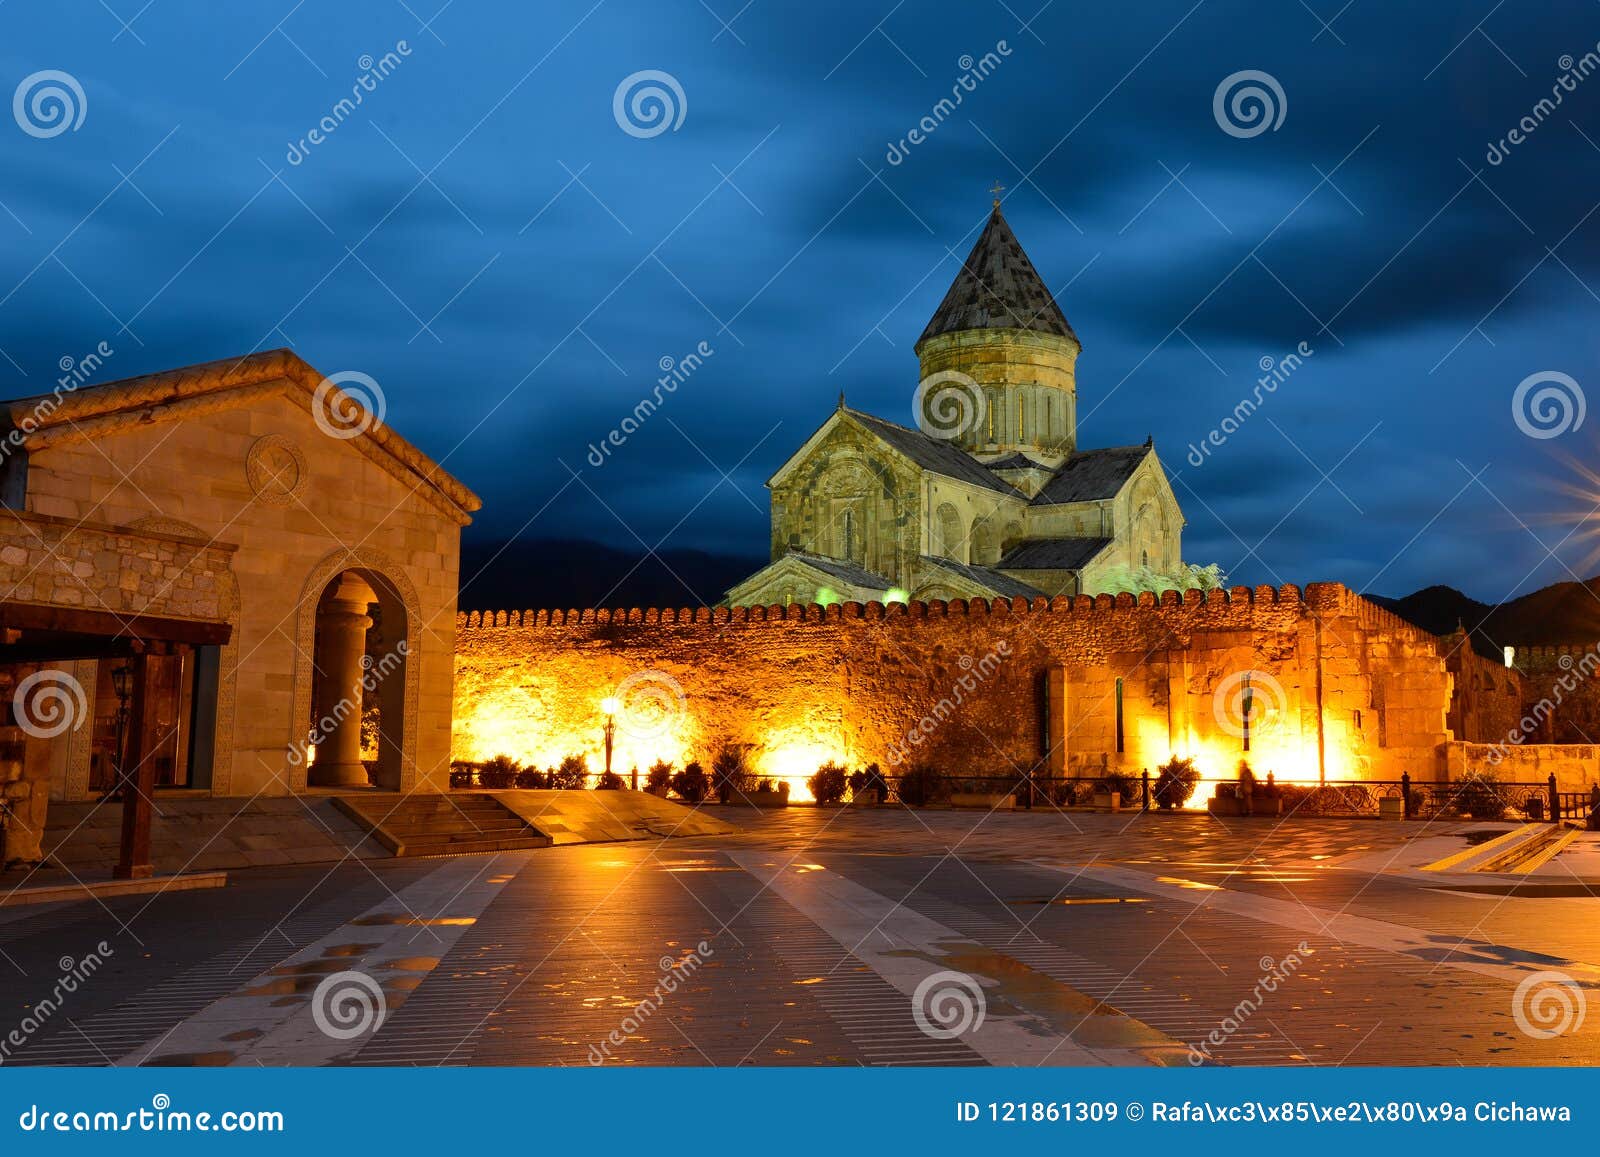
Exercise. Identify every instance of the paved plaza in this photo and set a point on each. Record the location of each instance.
(836, 937)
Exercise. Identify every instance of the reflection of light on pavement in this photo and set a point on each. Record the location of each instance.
(1196, 885)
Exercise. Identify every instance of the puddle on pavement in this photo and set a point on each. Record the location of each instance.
(1480, 836)
(412, 964)
(243, 1034)
(404, 921)
(1068, 901)
(191, 1060)
(1194, 885)
(349, 950)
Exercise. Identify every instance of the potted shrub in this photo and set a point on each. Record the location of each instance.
(609, 781)
(867, 786)
(768, 793)
(1175, 783)
(530, 779)
(1225, 800)
(658, 780)
(920, 786)
(499, 773)
(828, 784)
(730, 771)
(1478, 795)
(572, 774)
(992, 792)
(1117, 789)
(691, 783)
(1266, 799)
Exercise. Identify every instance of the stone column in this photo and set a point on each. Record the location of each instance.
(342, 624)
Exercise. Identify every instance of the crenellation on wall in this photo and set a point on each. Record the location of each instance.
(807, 683)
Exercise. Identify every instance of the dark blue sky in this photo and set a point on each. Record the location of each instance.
(515, 304)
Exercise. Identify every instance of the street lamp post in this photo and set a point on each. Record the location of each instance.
(609, 705)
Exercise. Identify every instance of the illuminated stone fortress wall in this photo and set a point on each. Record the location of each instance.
(1337, 684)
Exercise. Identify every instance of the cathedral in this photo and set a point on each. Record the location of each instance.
(988, 494)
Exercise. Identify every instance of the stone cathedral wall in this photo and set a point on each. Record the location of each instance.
(967, 686)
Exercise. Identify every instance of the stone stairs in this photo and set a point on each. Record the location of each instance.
(441, 825)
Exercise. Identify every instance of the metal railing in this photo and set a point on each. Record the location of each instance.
(1474, 797)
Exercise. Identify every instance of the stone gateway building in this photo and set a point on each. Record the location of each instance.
(230, 574)
(990, 495)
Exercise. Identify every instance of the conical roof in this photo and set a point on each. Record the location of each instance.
(998, 288)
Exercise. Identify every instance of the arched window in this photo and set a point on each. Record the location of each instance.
(951, 536)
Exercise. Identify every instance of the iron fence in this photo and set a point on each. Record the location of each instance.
(1475, 797)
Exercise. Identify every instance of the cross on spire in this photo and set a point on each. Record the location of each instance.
(997, 190)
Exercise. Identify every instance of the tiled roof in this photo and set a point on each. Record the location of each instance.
(1001, 584)
(1015, 461)
(847, 572)
(935, 454)
(1088, 475)
(1053, 553)
(998, 288)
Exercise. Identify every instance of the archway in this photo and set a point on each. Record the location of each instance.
(356, 676)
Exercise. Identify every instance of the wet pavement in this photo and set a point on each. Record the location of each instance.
(843, 937)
